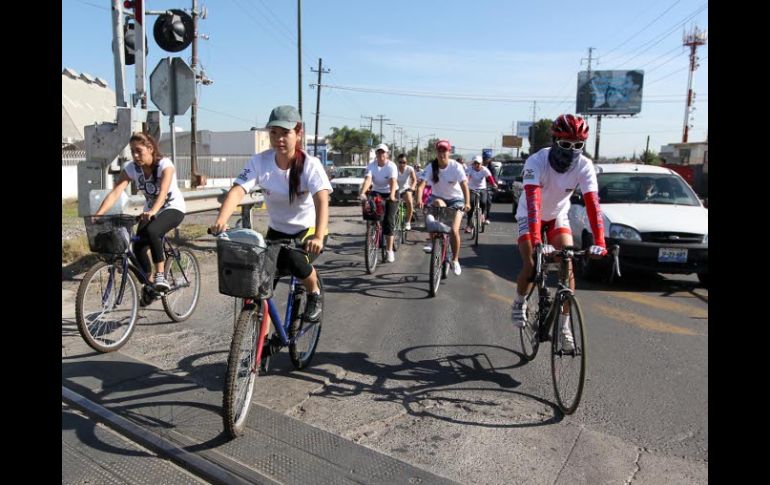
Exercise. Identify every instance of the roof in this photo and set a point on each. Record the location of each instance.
(629, 168)
(85, 100)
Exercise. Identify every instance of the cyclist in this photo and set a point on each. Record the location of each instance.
(296, 190)
(550, 175)
(450, 189)
(407, 181)
(486, 161)
(381, 176)
(478, 177)
(164, 206)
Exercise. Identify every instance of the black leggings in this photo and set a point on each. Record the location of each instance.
(150, 234)
(389, 222)
(292, 262)
(483, 203)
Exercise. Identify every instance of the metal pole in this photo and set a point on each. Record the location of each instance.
(647, 150)
(299, 55)
(598, 132)
(194, 114)
(173, 138)
(689, 93)
(318, 103)
(120, 49)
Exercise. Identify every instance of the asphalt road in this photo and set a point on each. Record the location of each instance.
(440, 382)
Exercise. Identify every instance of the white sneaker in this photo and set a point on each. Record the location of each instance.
(486, 222)
(391, 256)
(408, 227)
(427, 248)
(567, 340)
(519, 313)
(456, 268)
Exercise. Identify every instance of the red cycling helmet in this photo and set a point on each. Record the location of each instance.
(570, 127)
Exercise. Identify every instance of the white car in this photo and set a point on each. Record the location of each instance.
(655, 217)
(347, 182)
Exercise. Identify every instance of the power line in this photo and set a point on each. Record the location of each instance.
(643, 28)
(674, 72)
(100, 7)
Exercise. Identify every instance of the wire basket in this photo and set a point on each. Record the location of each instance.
(109, 234)
(444, 218)
(246, 270)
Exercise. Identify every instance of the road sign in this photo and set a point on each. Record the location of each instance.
(510, 141)
(172, 86)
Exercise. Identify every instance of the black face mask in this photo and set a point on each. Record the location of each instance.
(563, 160)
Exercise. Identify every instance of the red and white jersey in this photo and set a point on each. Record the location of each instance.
(556, 188)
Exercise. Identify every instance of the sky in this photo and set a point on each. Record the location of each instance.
(424, 65)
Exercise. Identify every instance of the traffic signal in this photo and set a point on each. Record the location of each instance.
(174, 31)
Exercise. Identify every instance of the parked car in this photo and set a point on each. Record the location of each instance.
(509, 183)
(655, 217)
(347, 182)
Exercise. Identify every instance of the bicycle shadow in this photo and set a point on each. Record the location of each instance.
(453, 376)
(344, 276)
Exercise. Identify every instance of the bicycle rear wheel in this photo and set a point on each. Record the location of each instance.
(184, 276)
(302, 349)
(371, 247)
(398, 231)
(435, 265)
(568, 368)
(241, 371)
(530, 341)
(104, 323)
(476, 225)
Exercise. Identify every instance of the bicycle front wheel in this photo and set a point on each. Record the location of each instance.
(435, 265)
(530, 341)
(303, 335)
(476, 225)
(184, 276)
(241, 371)
(398, 231)
(104, 322)
(568, 366)
(371, 247)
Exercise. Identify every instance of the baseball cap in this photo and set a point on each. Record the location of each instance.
(443, 143)
(477, 159)
(285, 117)
(381, 146)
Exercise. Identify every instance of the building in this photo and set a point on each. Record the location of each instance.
(685, 153)
(85, 100)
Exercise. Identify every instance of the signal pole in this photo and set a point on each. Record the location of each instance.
(692, 40)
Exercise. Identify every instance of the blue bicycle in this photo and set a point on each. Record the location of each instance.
(252, 347)
(109, 298)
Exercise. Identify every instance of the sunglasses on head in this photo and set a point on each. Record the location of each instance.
(577, 145)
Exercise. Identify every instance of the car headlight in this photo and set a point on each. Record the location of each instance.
(619, 231)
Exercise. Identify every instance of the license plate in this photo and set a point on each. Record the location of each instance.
(672, 255)
(346, 191)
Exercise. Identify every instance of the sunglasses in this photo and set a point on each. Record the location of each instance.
(402, 163)
(577, 145)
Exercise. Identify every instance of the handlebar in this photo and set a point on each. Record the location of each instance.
(575, 252)
(286, 243)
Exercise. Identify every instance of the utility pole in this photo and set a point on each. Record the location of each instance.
(692, 40)
(393, 145)
(647, 151)
(299, 57)
(194, 115)
(318, 102)
(381, 118)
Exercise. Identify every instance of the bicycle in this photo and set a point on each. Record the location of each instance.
(475, 221)
(373, 212)
(441, 249)
(251, 348)
(399, 231)
(543, 323)
(108, 297)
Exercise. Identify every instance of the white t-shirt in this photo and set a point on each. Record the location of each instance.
(555, 188)
(478, 180)
(404, 180)
(449, 178)
(151, 185)
(292, 218)
(381, 175)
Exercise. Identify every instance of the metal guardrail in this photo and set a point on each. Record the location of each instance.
(204, 201)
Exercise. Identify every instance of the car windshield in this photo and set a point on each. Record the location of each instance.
(350, 172)
(511, 170)
(645, 188)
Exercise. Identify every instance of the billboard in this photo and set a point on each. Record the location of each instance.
(510, 141)
(522, 128)
(609, 92)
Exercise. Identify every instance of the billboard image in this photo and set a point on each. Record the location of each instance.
(609, 92)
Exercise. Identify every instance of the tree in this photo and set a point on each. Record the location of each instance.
(540, 135)
(651, 158)
(350, 141)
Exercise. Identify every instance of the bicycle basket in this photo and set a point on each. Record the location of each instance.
(109, 234)
(373, 208)
(246, 270)
(444, 219)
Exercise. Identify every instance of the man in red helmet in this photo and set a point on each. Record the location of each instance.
(549, 177)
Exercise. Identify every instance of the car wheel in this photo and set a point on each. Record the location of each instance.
(704, 279)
